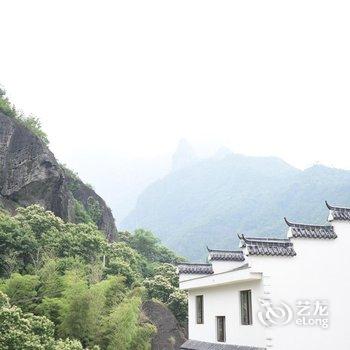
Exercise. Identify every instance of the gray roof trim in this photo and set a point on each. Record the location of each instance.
(195, 269)
(201, 345)
(311, 231)
(242, 267)
(225, 255)
(267, 246)
(338, 213)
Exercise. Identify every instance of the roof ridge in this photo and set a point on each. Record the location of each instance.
(224, 250)
(331, 207)
(294, 224)
(265, 239)
(194, 264)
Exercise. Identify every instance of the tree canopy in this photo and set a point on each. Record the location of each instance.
(72, 289)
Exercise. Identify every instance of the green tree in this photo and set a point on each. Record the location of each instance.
(159, 287)
(83, 308)
(169, 272)
(82, 240)
(31, 122)
(22, 291)
(6, 106)
(57, 271)
(20, 331)
(122, 329)
(118, 266)
(94, 210)
(178, 304)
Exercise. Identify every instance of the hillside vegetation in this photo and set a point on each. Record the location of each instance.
(30, 174)
(68, 282)
(209, 201)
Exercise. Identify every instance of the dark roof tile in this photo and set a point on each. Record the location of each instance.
(338, 213)
(200, 269)
(268, 246)
(311, 231)
(225, 255)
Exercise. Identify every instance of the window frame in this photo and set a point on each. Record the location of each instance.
(200, 310)
(246, 297)
(218, 335)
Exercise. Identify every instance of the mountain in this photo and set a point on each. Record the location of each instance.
(211, 200)
(119, 180)
(30, 174)
(184, 155)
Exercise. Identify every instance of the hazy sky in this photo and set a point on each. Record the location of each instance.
(133, 77)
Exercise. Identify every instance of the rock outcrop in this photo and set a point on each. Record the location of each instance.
(30, 174)
(170, 335)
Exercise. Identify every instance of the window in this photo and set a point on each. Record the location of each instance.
(199, 309)
(246, 307)
(220, 328)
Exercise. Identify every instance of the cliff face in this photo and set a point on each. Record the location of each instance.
(30, 174)
(170, 335)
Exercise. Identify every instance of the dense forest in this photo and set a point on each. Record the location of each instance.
(69, 286)
(65, 281)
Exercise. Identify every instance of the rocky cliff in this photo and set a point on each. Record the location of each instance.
(30, 174)
(170, 335)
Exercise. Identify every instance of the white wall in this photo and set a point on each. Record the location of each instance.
(225, 301)
(188, 276)
(221, 265)
(319, 271)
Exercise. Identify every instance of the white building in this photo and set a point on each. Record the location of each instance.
(304, 278)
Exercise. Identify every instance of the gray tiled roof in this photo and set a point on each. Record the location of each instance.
(268, 246)
(226, 255)
(200, 269)
(201, 345)
(311, 231)
(338, 213)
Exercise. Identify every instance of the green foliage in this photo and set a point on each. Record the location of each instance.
(87, 287)
(125, 261)
(92, 214)
(122, 329)
(6, 106)
(203, 204)
(20, 331)
(149, 246)
(118, 266)
(178, 304)
(82, 240)
(31, 122)
(169, 272)
(163, 287)
(82, 309)
(22, 290)
(81, 215)
(34, 234)
(70, 345)
(94, 210)
(159, 287)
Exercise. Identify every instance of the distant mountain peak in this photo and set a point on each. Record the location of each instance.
(183, 156)
(222, 152)
(214, 197)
